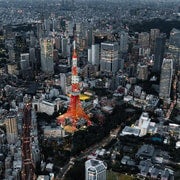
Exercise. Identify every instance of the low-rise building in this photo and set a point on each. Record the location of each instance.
(130, 131)
(54, 131)
(145, 151)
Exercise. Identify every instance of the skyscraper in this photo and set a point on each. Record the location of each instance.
(24, 61)
(123, 41)
(90, 55)
(95, 54)
(143, 39)
(174, 47)
(11, 128)
(64, 46)
(154, 33)
(159, 52)
(142, 72)
(63, 82)
(95, 170)
(47, 64)
(109, 57)
(166, 78)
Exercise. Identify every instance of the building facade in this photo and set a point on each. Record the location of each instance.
(109, 57)
(159, 52)
(174, 47)
(166, 78)
(95, 170)
(142, 72)
(95, 54)
(154, 33)
(47, 64)
(11, 128)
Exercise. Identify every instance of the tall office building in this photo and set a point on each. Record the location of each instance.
(32, 58)
(174, 47)
(80, 34)
(20, 45)
(89, 36)
(63, 82)
(47, 64)
(109, 57)
(95, 54)
(123, 41)
(64, 46)
(47, 26)
(166, 78)
(143, 39)
(58, 42)
(90, 55)
(69, 25)
(142, 72)
(24, 61)
(11, 54)
(32, 39)
(95, 170)
(159, 52)
(154, 33)
(11, 128)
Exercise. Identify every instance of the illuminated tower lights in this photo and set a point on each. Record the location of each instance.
(75, 113)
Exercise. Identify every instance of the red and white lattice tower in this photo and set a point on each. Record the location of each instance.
(75, 112)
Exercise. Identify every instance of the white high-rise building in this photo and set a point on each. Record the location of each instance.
(166, 78)
(47, 64)
(95, 170)
(90, 55)
(95, 54)
(144, 122)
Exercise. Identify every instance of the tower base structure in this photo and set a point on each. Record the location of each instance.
(75, 117)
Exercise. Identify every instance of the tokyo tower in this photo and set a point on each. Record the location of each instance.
(75, 113)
